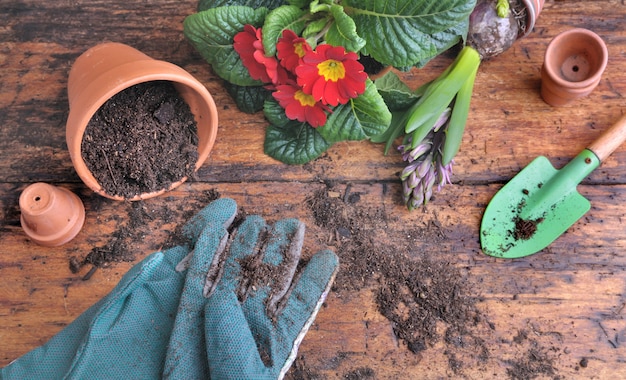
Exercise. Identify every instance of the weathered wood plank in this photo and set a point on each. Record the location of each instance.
(568, 300)
(500, 139)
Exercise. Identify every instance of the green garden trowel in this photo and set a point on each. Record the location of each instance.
(540, 203)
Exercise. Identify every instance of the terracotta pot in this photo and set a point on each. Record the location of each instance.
(50, 215)
(105, 70)
(533, 9)
(573, 66)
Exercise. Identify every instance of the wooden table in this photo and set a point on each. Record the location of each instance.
(557, 314)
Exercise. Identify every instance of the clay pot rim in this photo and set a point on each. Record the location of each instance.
(140, 71)
(556, 41)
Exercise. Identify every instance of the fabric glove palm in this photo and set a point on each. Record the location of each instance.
(228, 305)
(125, 334)
(245, 308)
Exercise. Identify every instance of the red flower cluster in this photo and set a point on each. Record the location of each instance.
(306, 81)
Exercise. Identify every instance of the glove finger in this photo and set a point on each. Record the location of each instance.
(269, 275)
(185, 349)
(243, 249)
(281, 255)
(231, 351)
(186, 345)
(304, 302)
(219, 212)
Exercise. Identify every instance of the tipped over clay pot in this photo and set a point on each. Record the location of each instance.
(573, 66)
(109, 68)
(50, 215)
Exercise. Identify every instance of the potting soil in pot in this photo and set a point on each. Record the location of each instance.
(141, 140)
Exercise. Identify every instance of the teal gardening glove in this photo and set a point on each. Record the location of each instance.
(157, 322)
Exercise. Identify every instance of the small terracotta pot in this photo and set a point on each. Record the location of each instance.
(573, 66)
(50, 215)
(105, 70)
(533, 9)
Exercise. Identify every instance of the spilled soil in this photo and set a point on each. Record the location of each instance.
(416, 293)
(141, 222)
(141, 140)
(427, 300)
(525, 228)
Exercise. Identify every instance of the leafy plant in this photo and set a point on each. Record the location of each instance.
(240, 40)
(433, 118)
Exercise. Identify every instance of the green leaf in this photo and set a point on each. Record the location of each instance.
(274, 113)
(299, 3)
(396, 128)
(342, 31)
(294, 143)
(212, 31)
(502, 8)
(359, 119)
(249, 99)
(400, 33)
(396, 94)
(314, 27)
(443, 41)
(203, 5)
(458, 119)
(442, 91)
(281, 18)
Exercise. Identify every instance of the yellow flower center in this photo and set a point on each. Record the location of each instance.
(331, 70)
(304, 99)
(299, 49)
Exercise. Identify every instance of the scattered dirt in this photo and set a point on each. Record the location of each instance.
(427, 300)
(142, 221)
(535, 362)
(363, 373)
(416, 292)
(141, 140)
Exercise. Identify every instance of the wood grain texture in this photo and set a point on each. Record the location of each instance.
(569, 299)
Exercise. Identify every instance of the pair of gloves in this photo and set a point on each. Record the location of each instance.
(230, 304)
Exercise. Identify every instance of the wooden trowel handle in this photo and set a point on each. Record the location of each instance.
(610, 140)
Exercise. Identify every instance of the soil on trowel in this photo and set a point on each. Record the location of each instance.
(141, 140)
(525, 228)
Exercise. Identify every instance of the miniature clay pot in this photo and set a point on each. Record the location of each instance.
(106, 69)
(50, 215)
(533, 9)
(573, 66)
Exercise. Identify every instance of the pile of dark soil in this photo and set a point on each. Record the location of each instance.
(416, 292)
(428, 300)
(141, 140)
